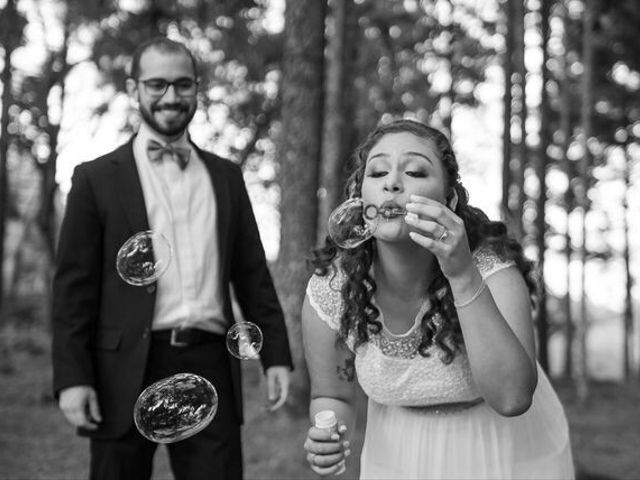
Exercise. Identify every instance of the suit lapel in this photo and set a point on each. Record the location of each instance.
(130, 189)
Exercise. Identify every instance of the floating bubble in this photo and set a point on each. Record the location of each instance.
(175, 408)
(352, 223)
(143, 258)
(349, 226)
(244, 340)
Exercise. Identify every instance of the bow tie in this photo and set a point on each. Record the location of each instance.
(155, 151)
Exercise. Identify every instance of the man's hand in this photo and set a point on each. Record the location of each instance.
(80, 405)
(277, 386)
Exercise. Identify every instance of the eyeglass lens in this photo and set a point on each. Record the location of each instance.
(159, 86)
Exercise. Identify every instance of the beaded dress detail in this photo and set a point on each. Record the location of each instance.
(389, 367)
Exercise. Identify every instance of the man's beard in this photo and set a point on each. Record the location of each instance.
(167, 130)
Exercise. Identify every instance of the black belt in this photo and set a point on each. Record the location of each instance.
(183, 337)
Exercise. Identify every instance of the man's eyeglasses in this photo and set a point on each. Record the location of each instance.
(157, 87)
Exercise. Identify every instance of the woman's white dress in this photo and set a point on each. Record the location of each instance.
(420, 424)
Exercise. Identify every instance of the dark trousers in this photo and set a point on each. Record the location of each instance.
(212, 454)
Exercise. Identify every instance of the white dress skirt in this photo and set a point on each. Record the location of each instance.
(475, 443)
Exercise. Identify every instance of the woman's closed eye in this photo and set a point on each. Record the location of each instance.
(410, 173)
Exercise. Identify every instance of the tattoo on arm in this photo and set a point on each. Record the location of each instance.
(347, 372)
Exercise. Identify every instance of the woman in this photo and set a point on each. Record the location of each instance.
(433, 315)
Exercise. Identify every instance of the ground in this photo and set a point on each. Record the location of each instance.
(36, 443)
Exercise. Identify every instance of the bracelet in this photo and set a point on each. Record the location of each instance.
(481, 288)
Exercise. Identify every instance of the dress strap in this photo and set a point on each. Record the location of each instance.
(488, 262)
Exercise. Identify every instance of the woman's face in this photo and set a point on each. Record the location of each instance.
(400, 165)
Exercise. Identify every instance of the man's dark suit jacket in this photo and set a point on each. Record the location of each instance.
(102, 325)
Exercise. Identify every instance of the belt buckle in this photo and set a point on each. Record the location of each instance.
(175, 338)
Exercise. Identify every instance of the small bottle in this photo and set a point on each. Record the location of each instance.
(326, 419)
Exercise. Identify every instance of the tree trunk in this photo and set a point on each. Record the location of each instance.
(515, 114)
(506, 133)
(542, 321)
(627, 322)
(585, 120)
(450, 97)
(338, 113)
(11, 26)
(517, 206)
(299, 154)
(4, 150)
(565, 127)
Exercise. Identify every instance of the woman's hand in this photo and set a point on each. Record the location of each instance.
(442, 232)
(326, 450)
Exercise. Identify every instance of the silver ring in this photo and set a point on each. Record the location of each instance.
(445, 234)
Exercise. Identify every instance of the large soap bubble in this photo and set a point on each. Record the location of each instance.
(175, 408)
(244, 340)
(347, 226)
(143, 258)
(352, 222)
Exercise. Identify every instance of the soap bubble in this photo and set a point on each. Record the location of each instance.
(175, 408)
(347, 224)
(244, 340)
(143, 258)
(352, 223)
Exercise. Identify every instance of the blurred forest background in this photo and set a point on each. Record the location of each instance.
(540, 97)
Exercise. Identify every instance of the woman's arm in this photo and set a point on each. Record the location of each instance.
(332, 378)
(498, 335)
(496, 321)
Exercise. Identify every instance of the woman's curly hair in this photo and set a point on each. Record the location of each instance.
(439, 325)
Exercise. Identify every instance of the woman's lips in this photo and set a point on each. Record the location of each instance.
(393, 212)
(387, 210)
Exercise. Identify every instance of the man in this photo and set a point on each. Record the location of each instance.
(112, 339)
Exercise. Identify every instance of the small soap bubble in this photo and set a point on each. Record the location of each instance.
(244, 340)
(175, 408)
(143, 258)
(351, 224)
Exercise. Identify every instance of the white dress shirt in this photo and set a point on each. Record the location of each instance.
(181, 205)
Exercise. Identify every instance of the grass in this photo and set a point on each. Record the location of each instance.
(605, 430)
(36, 442)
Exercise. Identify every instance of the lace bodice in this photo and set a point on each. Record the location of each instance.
(389, 367)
